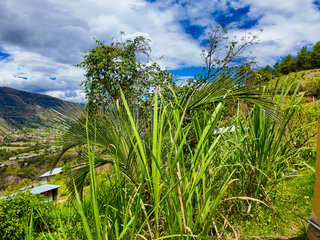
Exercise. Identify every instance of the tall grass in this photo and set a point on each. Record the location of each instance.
(173, 176)
(262, 149)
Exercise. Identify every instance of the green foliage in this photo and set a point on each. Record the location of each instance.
(261, 149)
(175, 176)
(266, 73)
(17, 209)
(305, 60)
(170, 176)
(287, 65)
(315, 55)
(66, 170)
(25, 183)
(223, 54)
(109, 67)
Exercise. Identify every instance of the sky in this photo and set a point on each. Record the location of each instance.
(41, 40)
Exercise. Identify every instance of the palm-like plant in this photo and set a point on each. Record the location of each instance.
(109, 134)
(169, 167)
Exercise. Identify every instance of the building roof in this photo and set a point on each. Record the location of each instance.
(224, 130)
(36, 190)
(52, 172)
(44, 188)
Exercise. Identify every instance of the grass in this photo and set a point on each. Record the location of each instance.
(173, 177)
(12, 148)
(24, 143)
(291, 208)
(293, 204)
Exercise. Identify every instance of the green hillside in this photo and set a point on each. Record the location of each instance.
(20, 108)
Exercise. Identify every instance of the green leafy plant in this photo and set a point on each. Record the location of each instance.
(16, 210)
(110, 66)
(169, 178)
(263, 149)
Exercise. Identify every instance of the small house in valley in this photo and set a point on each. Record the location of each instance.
(49, 191)
(50, 175)
(12, 158)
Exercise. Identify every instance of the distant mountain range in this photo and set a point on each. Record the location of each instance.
(20, 108)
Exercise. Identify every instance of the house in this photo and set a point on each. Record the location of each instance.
(50, 175)
(49, 191)
(29, 156)
(12, 158)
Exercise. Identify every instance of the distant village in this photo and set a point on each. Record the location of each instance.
(25, 153)
(24, 135)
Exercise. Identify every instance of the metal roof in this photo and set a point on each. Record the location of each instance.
(52, 172)
(224, 130)
(44, 188)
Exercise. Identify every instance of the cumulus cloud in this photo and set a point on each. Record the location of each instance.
(41, 40)
(32, 72)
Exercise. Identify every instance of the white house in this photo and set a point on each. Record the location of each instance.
(12, 158)
(50, 175)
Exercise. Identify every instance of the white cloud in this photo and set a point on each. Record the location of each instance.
(289, 25)
(38, 70)
(45, 38)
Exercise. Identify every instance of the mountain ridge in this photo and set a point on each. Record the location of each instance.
(20, 108)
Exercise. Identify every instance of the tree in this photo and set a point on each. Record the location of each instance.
(266, 73)
(117, 65)
(222, 54)
(277, 69)
(287, 64)
(316, 55)
(303, 59)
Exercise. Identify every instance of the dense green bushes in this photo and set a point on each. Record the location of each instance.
(16, 211)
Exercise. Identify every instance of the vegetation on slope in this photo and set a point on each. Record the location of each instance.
(178, 171)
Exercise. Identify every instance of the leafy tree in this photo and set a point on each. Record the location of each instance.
(117, 65)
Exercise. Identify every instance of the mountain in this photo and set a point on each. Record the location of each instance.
(20, 108)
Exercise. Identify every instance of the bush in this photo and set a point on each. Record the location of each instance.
(16, 210)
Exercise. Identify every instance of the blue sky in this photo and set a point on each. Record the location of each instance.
(40, 41)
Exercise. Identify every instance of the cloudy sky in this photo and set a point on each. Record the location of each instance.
(40, 40)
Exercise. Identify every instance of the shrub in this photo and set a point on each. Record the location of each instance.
(16, 210)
